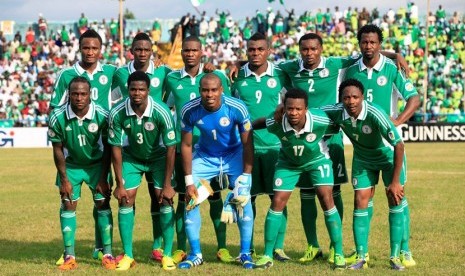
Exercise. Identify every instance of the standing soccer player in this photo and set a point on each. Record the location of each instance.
(383, 84)
(225, 147)
(259, 85)
(77, 131)
(100, 77)
(377, 148)
(136, 127)
(183, 86)
(303, 153)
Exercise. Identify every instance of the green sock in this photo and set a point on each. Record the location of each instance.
(333, 224)
(360, 228)
(396, 228)
(156, 230)
(406, 236)
(272, 223)
(105, 223)
(337, 197)
(370, 216)
(309, 214)
(254, 210)
(282, 231)
(126, 225)
(216, 207)
(98, 237)
(68, 230)
(167, 228)
(180, 228)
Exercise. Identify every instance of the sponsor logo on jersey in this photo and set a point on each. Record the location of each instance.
(224, 121)
(284, 138)
(278, 182)
(149, 126)
(244, 83)
(51, 133)
(155, 82)
(297, 75)
(171, 135)
(391, 135)
(381, 81)
(93, 127)
(354, 182)
(247, 125)
(111, 133)
(324, 73)
(128, 126)
(366, 129)
(200, 122)
(310, 137)
(409, 86)
(271, 83)
(103, 80)
(68, 128)
(179, 87)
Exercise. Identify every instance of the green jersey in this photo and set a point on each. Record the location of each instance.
(383, 83)
(321, 83)
(141, 137)
(100, 82)
(303, 148)
(261, 94)
(372, 133)
(157, 75)
(181, 88)
(81, 137)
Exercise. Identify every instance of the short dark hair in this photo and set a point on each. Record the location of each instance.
(370, 28)
(350, 82)
(311, 36)
(79, 79)
(210, 76)
(191, 38)
(141, 36)
(139, 76)
(259, 36)
(90, 33)
(296, 93)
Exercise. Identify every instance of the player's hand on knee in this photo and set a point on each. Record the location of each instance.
(241, 189)
(394, 193)
(66, 191)
(228, 215)
(103, 188)
(167, 193)
(121, 195)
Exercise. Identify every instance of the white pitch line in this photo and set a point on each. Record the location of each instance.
(428, 172)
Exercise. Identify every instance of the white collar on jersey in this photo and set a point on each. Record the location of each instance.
(307, 127)
(378, 66)
(321, 65)
(361, 116)
(89, 115)
(185, 74)
(81, 70)
(147, 112)
(269, 70)
(148, 71)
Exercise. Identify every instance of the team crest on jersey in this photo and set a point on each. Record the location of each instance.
(224, 121)
(247, 125)
(271, 83)
(93, 127)
(391, 135)
(155, 82)
(409, 86)
(381, 81)
(149, 126)
(278, 182)
(111, 133)
(310, 137)
(354, 182)
(51, 133)
(171, 135)
(366, 129)
(103, 80)
(324, 73)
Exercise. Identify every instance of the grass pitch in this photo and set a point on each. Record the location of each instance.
(30, 238)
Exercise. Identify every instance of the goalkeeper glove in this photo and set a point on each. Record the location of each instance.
(228, 215)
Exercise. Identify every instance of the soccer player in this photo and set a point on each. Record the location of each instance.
(78, 132)
(225, 147)
(383, 85)
(377, 148)
(183, 86)
(100, 77)
(136, 127)
(259, 85)
(303, 154)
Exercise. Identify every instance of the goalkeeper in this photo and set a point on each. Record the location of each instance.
(225, 147)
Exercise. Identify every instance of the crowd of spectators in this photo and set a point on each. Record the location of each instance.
(30, 64)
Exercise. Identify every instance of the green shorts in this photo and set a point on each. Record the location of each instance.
(134, 169)
(336, 153)
(317, 174)
(264, 167)
(365, 174)
(78, 175)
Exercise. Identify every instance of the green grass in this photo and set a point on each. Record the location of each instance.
(30, 239)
